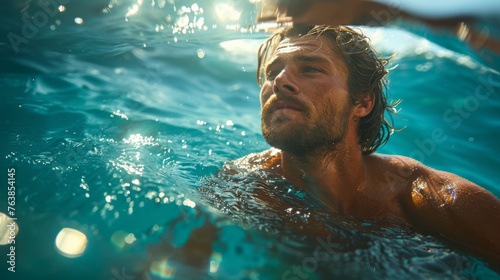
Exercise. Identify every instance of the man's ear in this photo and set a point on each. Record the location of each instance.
(364, 105)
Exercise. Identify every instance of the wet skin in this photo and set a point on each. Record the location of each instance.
(308, 117)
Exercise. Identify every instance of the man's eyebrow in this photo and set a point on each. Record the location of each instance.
(311, 58)
(299, 58)
(273, 61)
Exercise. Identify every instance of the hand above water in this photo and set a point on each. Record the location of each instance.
(462, 22)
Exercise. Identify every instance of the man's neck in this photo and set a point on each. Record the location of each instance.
(335, 176)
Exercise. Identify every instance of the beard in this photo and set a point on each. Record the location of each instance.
(307, 134)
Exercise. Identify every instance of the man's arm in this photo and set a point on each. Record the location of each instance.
(373, 13)
(457, 209)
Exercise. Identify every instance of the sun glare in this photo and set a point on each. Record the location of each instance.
(227, 12)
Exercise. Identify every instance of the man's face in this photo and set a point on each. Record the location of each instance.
(305, 102)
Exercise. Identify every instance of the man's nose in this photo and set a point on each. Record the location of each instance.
(285, 82)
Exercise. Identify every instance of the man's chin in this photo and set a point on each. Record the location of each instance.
(281, 123)
(284, 131)
(283, 139)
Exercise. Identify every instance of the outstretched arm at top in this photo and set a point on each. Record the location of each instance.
(379, 13)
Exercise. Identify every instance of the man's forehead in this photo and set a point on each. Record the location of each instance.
(304, 43)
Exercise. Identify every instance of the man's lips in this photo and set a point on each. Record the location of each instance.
(280, 105)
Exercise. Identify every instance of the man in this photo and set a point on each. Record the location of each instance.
(323, 103)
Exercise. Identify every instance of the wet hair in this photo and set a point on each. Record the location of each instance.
(366, 75)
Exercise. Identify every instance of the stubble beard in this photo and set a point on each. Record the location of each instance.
(307, 136)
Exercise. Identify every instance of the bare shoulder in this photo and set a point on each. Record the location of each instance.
(445, 203)
(442, 191)
(421, 188)
(393, 171)
(395, 161)
(265, 160)
(454, 207)
(424, 181)
(257, 159)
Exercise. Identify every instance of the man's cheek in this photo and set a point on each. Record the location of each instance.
(265, 93)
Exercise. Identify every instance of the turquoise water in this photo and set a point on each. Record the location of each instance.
(116, 126)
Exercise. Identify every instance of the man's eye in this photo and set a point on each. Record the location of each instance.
(312, 70)
(271, 74)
